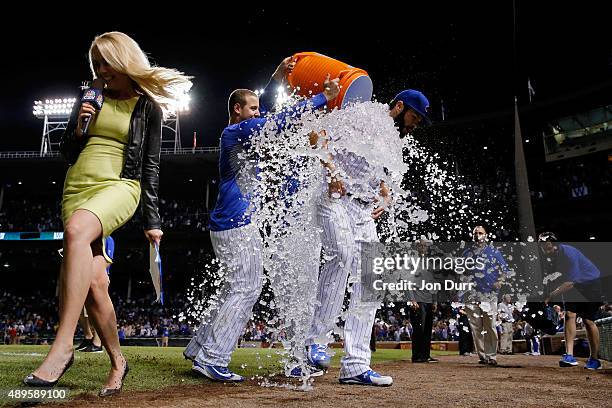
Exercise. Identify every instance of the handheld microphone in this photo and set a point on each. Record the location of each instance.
(94, 96)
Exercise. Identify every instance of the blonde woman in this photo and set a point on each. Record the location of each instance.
(113, 167)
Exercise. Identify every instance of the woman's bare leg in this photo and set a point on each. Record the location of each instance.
(102, 315)
(76, 274)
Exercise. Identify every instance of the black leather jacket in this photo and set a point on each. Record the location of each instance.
(141, 155)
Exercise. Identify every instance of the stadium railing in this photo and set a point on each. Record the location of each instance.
(164, 151)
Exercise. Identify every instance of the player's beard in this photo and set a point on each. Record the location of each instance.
(400, 123)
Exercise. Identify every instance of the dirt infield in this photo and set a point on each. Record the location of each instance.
(521, 381)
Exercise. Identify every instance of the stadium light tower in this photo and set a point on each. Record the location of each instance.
(173, 140)
(54, 113)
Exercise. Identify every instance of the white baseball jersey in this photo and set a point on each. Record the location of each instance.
(360, 179)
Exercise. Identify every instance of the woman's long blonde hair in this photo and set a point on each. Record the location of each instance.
(166, 86)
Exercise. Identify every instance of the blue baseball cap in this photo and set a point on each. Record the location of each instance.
(416, 101)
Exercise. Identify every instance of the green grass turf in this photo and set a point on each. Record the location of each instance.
(151, 368)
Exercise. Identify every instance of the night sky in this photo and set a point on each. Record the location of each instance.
(462, 54)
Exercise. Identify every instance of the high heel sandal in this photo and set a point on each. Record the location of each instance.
(107, 392)
(34, 381)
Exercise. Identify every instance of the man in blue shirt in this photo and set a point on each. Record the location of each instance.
(582, 276)
(237, 243)
(481, 303)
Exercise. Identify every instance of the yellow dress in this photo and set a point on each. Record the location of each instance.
(93, 182)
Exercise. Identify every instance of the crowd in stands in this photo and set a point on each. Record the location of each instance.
(394, 324)
(256, 330)
(21, 215)
(44, 214)
(142, 317)
(33, 318)
(178, 215)
(26, 318)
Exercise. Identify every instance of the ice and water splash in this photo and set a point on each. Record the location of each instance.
(284, 178)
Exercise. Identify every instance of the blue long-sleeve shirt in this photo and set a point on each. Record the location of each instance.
(231, 208)
(575, 266)
(266, 99)
(266, 103)
(494, 266)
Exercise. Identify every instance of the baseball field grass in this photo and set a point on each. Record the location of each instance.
(151, 368)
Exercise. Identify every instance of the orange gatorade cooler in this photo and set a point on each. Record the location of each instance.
(309, 74)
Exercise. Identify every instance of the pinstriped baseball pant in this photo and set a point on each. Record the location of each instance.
(345, 224)
(239, 252)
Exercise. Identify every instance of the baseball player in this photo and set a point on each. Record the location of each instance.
(237, 243)
(346, 222)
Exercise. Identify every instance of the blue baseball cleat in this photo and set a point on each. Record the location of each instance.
(370, 377)
(297, 372)
(216, 373)
(593, 364)
(317, 356)
(568, 361)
